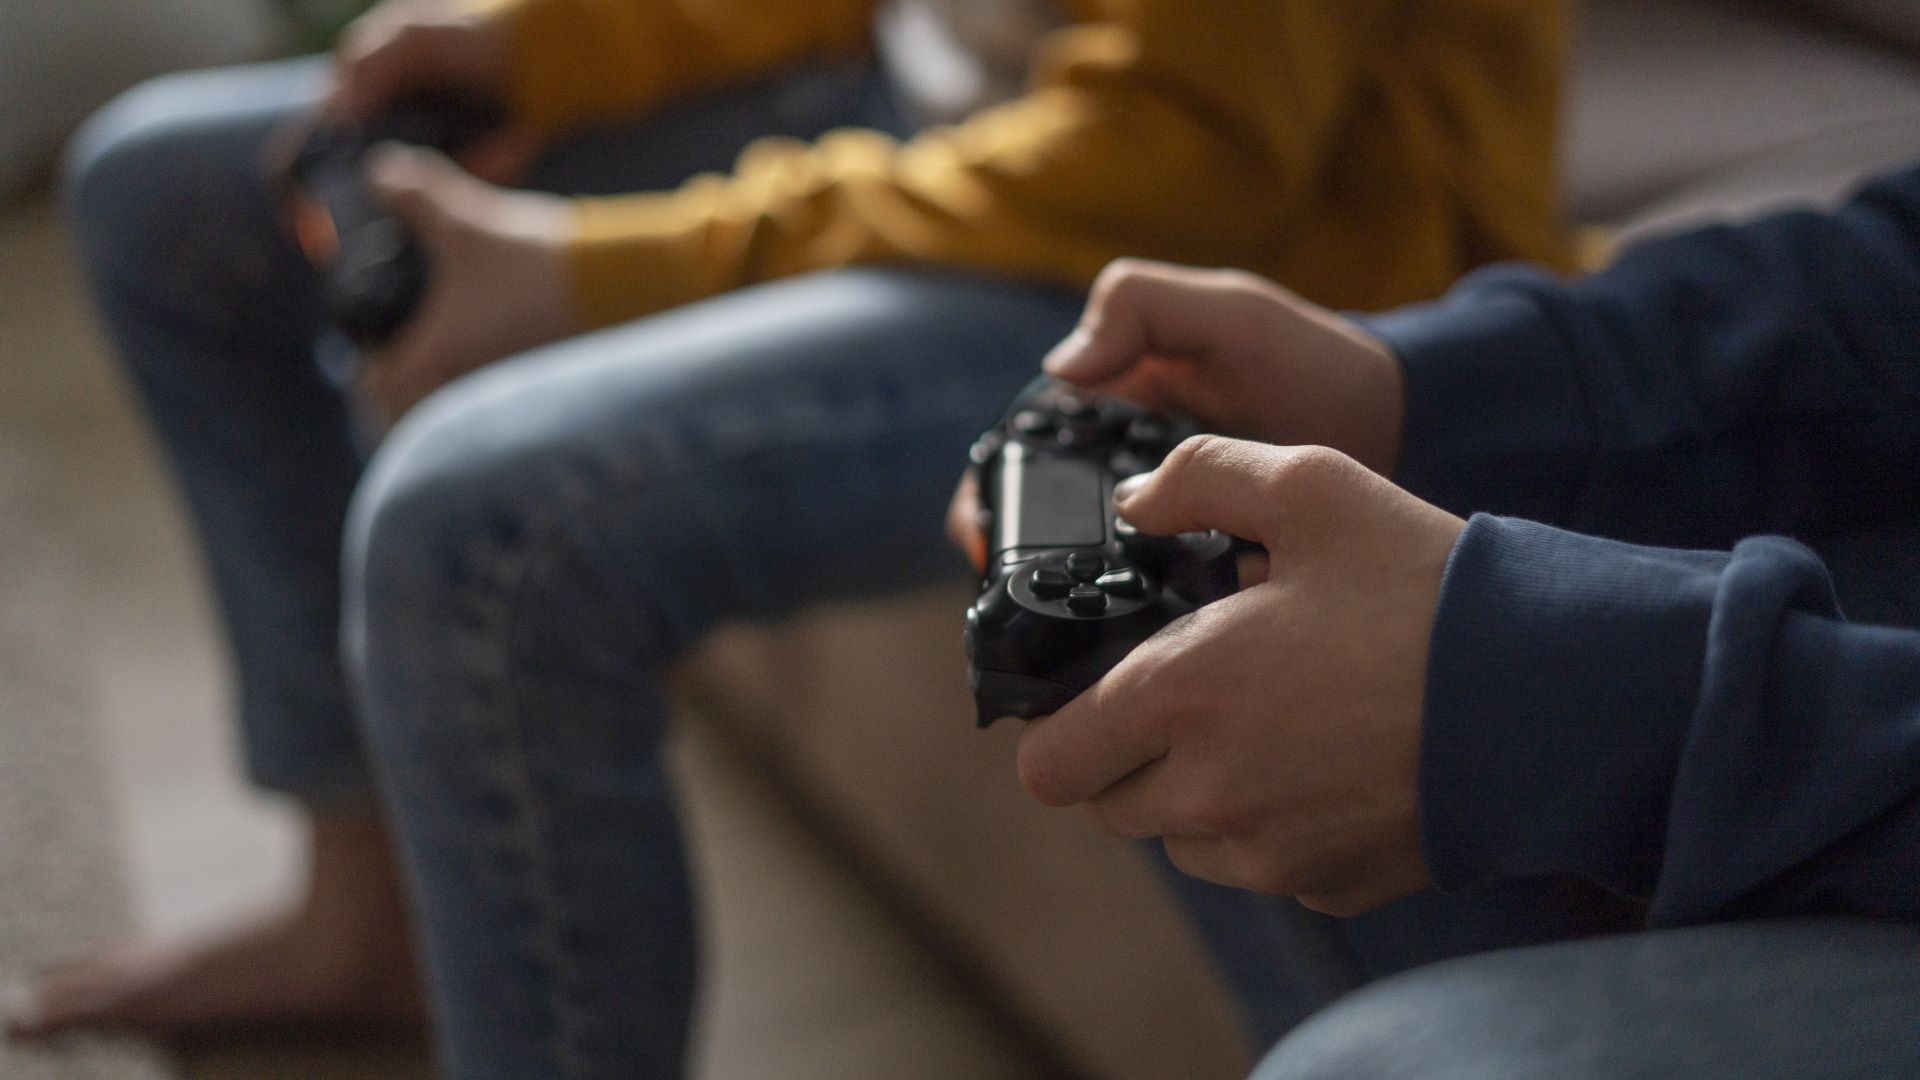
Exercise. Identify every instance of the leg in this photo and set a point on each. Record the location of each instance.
(541, 539)
(216, 320)
(1806, 999)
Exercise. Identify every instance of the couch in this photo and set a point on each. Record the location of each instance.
(1057, 950)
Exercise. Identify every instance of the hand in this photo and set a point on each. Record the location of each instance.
(1240, 354)
(1271, 737)
(405, 46)
(498, 282)
(1237, 352)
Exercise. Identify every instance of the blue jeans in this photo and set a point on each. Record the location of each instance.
(1797, 999)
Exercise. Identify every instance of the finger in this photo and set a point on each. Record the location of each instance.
(426, 189)
(1210, 482)
(502, 158)
(963, 521)
(1096, 739)
(366, 65)
(1252, 568)
(1139, 309)
(1204, 857)
(1139, 806)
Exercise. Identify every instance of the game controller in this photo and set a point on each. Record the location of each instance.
(1070, 587)
(373, 270)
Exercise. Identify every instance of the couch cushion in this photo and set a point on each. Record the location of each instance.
(1679, 107)
(861, 715)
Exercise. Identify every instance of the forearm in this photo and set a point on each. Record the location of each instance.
(1699, 730)
(1708, 386)
(581, 61)
(1152, 129)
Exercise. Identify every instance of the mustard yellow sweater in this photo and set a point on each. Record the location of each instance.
(1364, 152)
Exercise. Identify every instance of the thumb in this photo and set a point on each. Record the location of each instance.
(422, 187)
(1209, 482)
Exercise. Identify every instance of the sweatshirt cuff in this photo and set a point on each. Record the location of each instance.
(1563, 673)
(1495, 415)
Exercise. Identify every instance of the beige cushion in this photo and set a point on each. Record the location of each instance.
(860, 716)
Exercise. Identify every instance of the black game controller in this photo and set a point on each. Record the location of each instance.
(1070, 587)
(374, 271)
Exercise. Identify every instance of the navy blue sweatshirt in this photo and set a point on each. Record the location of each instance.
(1697, 729)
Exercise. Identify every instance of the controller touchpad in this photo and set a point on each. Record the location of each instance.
(1056, 502)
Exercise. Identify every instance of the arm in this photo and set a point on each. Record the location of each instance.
(1723, 382)
(1699, 730)
(1277, 136)
(579, 61)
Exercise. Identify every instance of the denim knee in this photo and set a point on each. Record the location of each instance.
(1794, 998)
(472, 506)
(128, 163)
(181, 161)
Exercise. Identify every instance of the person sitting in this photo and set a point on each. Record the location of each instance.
(728, 396)
(1406, 700)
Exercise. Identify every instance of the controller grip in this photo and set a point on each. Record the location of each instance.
(375, 281)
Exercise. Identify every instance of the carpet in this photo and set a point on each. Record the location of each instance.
(59, 884)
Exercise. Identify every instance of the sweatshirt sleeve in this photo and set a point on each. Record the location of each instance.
(581, 61)
(1279, 137)
(1697, 730)
(1738, 379)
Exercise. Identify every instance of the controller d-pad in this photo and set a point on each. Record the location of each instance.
(1123, 583)
(1050, 584)
(1086, 600)
(1085, 567)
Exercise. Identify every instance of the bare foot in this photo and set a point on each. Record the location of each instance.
(340, 956)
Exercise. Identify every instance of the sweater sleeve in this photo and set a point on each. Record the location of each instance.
(1698, 730)
(1279, 137)
(581, 61)
(1739, 379)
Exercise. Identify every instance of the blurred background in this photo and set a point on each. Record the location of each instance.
(120, 798)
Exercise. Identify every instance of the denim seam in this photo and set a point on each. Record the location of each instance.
(496, 595)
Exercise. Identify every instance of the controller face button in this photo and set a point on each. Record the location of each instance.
(1074, 407)
(1123, 583)
(1050, 584)
(1086, 600)
(1085, 567)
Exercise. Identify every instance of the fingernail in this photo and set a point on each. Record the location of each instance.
(1128, 488)
(1062, 356)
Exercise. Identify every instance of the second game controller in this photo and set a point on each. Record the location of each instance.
(373, 269)
(1071, 588)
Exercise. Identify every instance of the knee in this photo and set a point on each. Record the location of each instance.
(156, 165)
(1464, 1019)
(440, 492)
